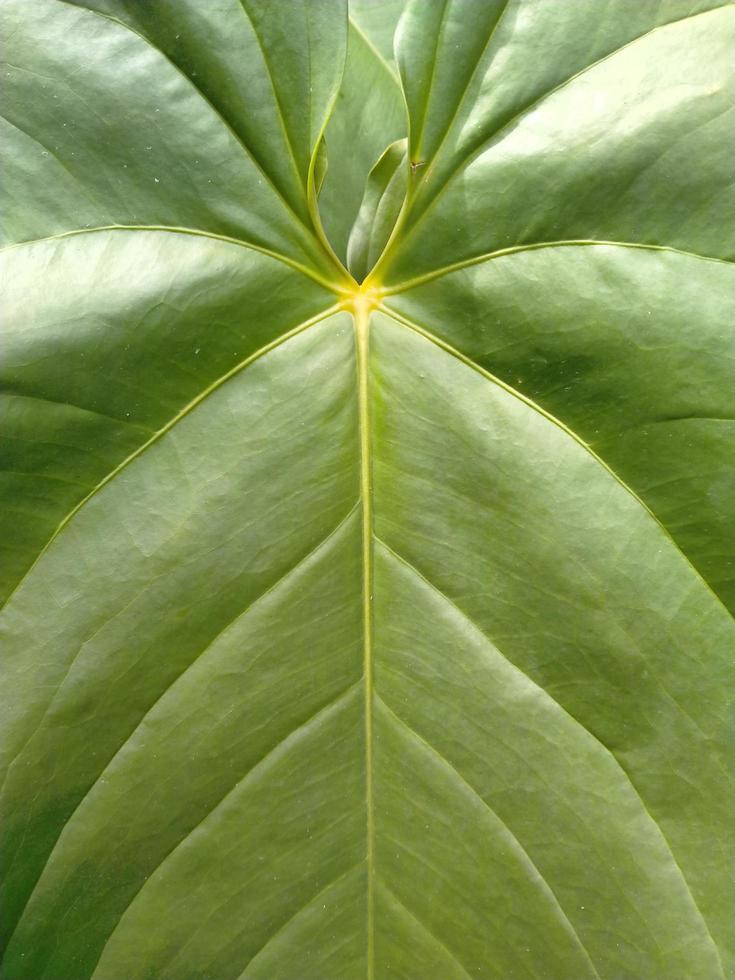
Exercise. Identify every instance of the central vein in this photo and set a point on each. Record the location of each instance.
(362, 315)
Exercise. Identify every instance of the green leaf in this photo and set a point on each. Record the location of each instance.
(627, 170)
(368, 631)
(385, 192)
(369, 114)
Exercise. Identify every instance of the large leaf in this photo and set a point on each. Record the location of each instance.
(378, 631)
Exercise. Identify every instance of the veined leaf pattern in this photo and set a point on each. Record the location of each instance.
(369, 624)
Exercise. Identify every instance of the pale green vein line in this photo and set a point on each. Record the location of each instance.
(274, 89)
(282, 928)
(228, 126)
(407, 284)
(82, 409)
(312, 194)
(425, 929)
(161, 432)
(236, 620)
(361, 317)
(177, 960)
(374, 51)
(524, 856)
(195, 232)
(415, 147)
(473, 73)
(47, 148)
(496, 136)
(271, 757)
(432, 338)
(170, 425)
(443, 345)
(558, 706)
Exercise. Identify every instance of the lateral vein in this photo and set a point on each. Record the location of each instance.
(500, 253)
(276, 752)
(557, 705)
(180, 230)
(452, 351)
(495, 137)
(170, 424)
(521, 851)
(238, 618)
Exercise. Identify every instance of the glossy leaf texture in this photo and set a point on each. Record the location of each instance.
(368, 490)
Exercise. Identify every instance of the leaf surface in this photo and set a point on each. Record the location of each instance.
(367, 624)
(385, 191)
(368, 114)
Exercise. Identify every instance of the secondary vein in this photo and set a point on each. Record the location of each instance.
(473, 365)
(267, 348)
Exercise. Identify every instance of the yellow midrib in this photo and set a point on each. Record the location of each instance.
(360, 304)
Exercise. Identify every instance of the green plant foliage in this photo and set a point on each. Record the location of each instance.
(368, 490)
